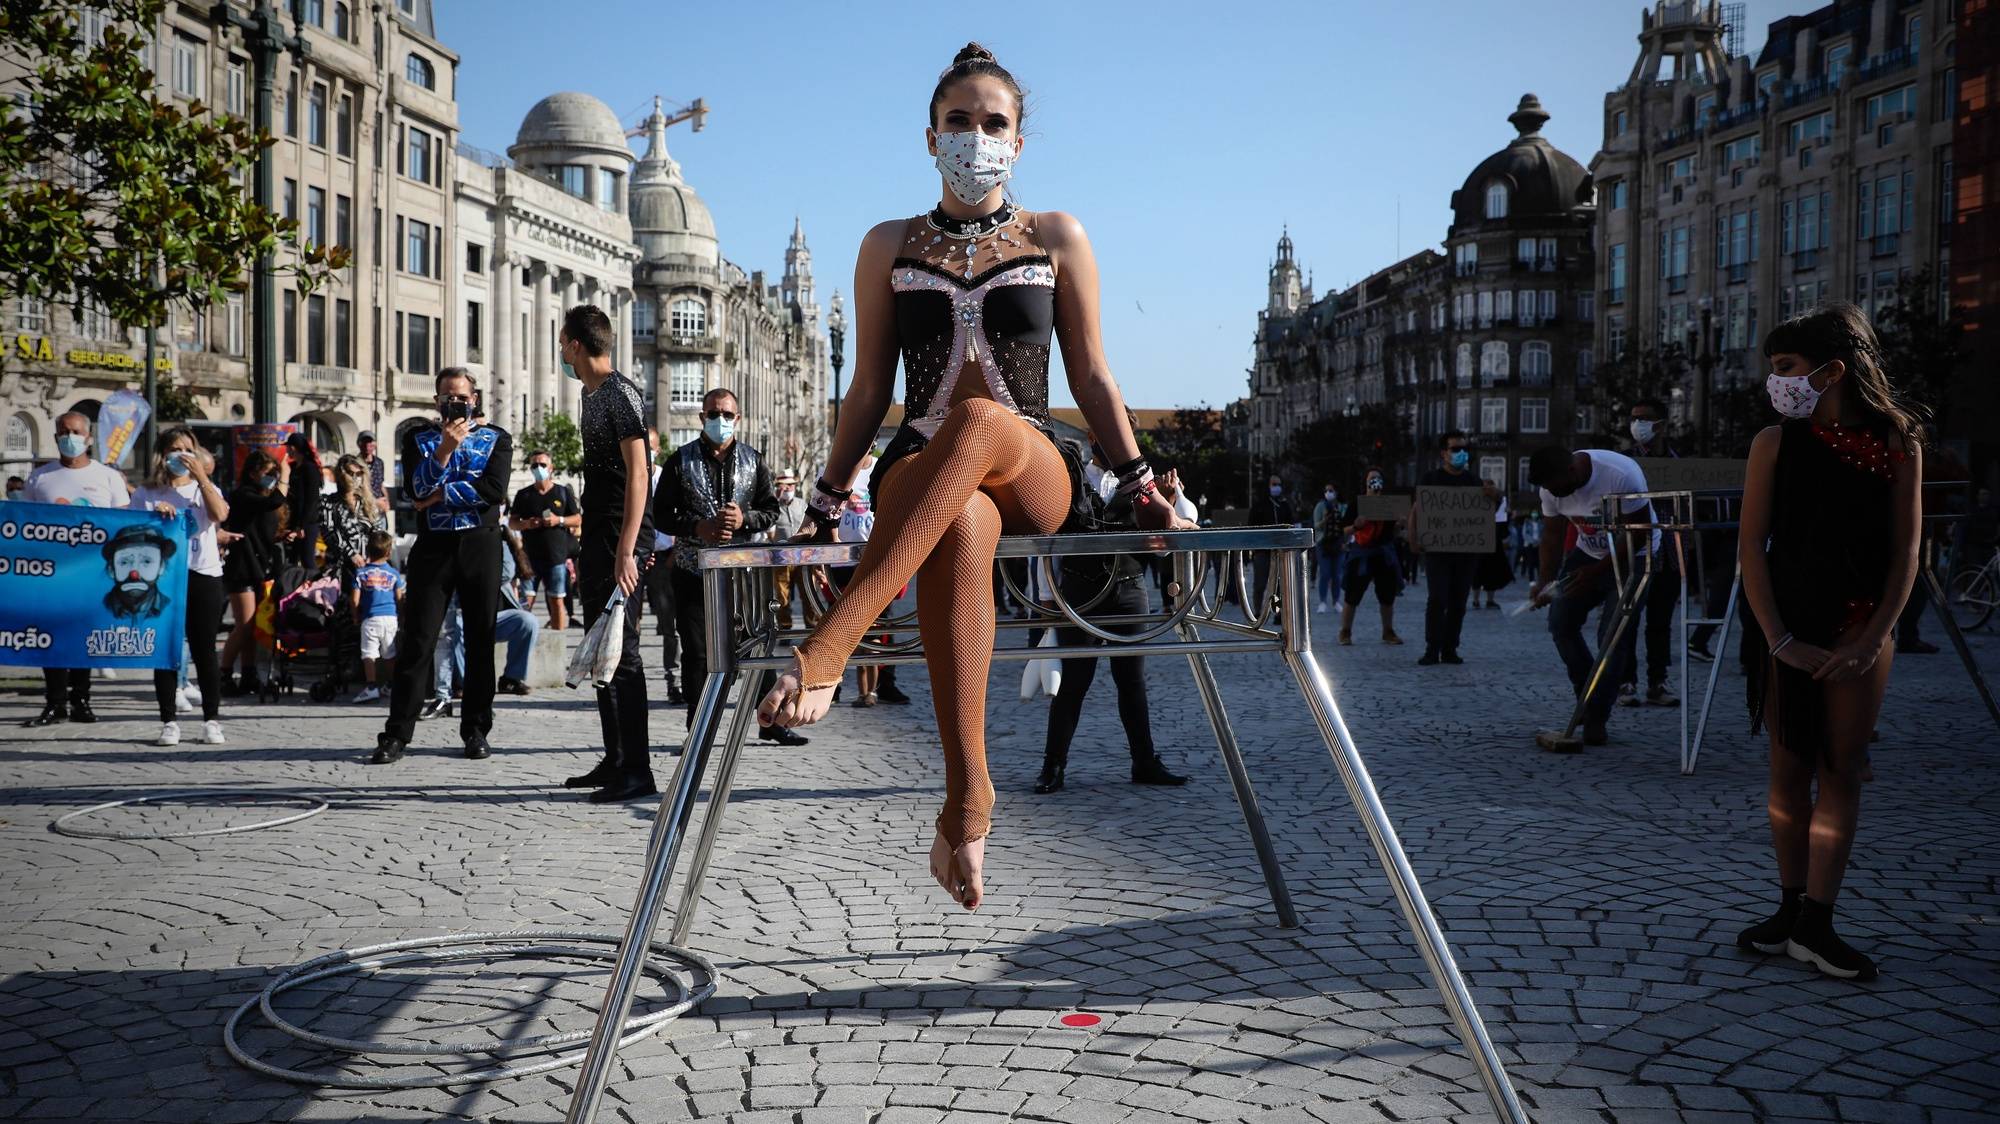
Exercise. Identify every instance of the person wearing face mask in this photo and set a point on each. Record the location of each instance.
(660, 584)
(304, 484)
(1832, 516)
(615, 547)
(1447, 577)
(974, 295)
(1574, 486)
(791, 517)
(256, 505)
(1648, 428)
(378, 477)
(1328, 516)
(1272, 509)
(1371, 558)
(72, 478)
(713, 490)
(179, 488)
(347, 518)
(547, 517)
(455, 471)
(15, 484)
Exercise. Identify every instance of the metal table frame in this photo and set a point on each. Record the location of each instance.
(743, 637)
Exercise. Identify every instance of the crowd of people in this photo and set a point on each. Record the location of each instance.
(1830, 517)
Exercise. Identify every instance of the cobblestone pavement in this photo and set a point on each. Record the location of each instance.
(1592, 901)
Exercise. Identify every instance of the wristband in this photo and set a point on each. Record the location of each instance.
(822, 518)
(1129, 466)
(820, 485)
(824, 506)
(1135, 480)
(1780, 645)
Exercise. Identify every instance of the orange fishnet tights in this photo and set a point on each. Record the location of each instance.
(938, 518)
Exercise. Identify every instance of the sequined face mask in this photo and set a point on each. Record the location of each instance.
(973, 164)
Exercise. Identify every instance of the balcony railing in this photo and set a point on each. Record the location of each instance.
(1886, 244)
(677, 341)
(1804, 260)
(1677, 284)
(1799, 93)
(321, 380)
(1888, 62)
(1738, 273)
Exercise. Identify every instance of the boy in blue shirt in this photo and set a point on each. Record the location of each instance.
(378, 590)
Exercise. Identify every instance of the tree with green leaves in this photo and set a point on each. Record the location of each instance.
(1920, 340)
(559, 436)
(1339, 447)
(114, 196)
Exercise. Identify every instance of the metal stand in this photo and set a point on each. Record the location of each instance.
(731, 656)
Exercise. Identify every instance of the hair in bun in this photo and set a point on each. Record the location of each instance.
(973, 60)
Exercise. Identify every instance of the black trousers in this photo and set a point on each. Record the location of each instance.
(1661, 598)
(660, 598)
(1128, 675)
(1449, 579)
(466, 563)
(204, 620)
(621, 705)
(690, 617)
(64, 685)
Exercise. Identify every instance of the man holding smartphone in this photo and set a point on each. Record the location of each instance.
(456, 474)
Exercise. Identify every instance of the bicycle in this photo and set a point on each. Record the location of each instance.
(1975, 592)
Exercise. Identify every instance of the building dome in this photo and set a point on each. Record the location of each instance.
(571, 121)
(1528, 180)
(669, 220)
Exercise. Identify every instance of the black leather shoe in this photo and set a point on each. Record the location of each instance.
(1051, 779)
(1450, 657)
(890, 693)
(626, 788)
(1428, 659)
(510, 686)
(388, 750)
(602, 774)
(781, 735)
(432, 708)
(476, 748)
(50, 716)
(675, 696)
(79, 711)
(1594, 733)
(1154, 771)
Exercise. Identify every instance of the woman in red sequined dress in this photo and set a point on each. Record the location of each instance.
(1831, 512)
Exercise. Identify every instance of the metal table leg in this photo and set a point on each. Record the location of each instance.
(1951, 629)
(1239, 780)
(1409, 893)
(1714, 673)
(718, 800)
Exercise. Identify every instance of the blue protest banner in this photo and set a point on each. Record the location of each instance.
(91, 586)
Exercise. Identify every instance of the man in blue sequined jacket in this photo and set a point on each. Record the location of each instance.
(456, 471)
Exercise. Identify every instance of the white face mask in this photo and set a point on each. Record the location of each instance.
(1793, 395)
(1643, 430)
(539, 472)
(719, 430)
(973, 164)
(72, 444)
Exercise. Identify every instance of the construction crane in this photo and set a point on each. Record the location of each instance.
(696, 111)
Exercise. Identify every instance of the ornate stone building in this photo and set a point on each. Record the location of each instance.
(1735, 190)
(702, 321)
(365, 126)
(1489, 337)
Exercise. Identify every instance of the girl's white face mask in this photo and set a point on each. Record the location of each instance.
(1793, 395)
(973, 164)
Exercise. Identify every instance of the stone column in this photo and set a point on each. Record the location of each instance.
(628, 353)
(568, 390)
(541, 396)
(505, 307)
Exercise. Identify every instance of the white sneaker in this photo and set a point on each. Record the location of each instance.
(367, 695)
(183, 703)
(1321, 608)
(211, 733)
(170, 734)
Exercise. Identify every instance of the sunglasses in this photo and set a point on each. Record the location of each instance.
(727, 415)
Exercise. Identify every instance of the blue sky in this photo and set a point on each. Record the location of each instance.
(1183, 135)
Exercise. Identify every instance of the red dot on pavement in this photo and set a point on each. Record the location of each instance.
(1081, 1020)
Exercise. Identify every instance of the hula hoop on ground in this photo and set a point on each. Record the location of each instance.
(316, 805)
(661, 960)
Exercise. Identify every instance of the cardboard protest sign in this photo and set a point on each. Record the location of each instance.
(1383, 509)
(1453, 521)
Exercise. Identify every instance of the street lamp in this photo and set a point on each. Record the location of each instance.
(1701, 351)
(836, 332)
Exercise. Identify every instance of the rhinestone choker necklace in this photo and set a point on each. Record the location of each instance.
(970, 228)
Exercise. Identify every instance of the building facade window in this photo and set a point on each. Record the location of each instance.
(690, 319)
(232, 326)
(316, 115)
(343, 127)
(289, 201)
(1465, 364)
(1615, 274)
(1534, 415)
(1492, 417)
(316, 328)
(419, 71)
(290, 327)
(685, 383)
(343, 333)
(574, 179)
(417, 162)
(1496, 200)
(645, 320)
(1494, 364)
(1537, 366)
(343, 221)
(1463, 411)
(607, 189)
(417, 247)
(233, 88)
(292, 107)
(474, 352)
(419, 343)
(1586, 366)
(342, 22)
(475, 258)
(1466, 259)
(187, 66)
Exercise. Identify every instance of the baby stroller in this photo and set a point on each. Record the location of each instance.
(308, 621)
